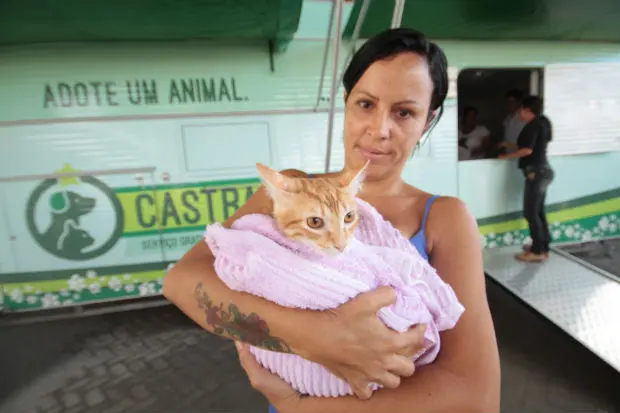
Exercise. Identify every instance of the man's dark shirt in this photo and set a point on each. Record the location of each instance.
(535, 135)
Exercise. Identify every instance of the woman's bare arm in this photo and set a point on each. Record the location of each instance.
(194, 287)
(465, 377)
(351, 341)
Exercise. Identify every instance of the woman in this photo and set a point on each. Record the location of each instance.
(395, 88)
(531, 151)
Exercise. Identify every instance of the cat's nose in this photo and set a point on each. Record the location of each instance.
(339, 242)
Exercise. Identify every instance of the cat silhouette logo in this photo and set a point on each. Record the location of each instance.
(74, 217)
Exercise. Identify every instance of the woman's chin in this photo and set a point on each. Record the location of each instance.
(376, 170)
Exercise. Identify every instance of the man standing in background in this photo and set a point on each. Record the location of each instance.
(513, 124)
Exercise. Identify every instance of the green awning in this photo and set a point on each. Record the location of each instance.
(37, 21)
(566, 20)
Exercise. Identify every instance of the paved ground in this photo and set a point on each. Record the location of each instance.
(603, 254)
(156, 360)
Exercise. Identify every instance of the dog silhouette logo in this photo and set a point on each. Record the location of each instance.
(74, 217)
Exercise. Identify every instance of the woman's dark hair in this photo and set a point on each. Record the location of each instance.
(533, 103)
(392, 42)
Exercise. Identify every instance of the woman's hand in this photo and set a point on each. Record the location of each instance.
(355, 345)
(278, 392)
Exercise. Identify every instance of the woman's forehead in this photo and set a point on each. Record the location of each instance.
(403, 77)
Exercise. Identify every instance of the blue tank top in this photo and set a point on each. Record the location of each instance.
(418, 240)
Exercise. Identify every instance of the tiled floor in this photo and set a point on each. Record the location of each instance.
(156, 360)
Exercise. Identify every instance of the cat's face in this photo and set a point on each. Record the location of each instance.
(320, 212)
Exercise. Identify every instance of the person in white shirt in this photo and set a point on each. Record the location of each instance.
(473, 138)
(513, 124)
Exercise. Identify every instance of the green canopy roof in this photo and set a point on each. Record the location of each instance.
(37, 21)
(567, 20)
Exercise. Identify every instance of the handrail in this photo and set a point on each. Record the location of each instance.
(355, 36)
(397, 13)
(334, 85)
(76, 174)
(325, 53)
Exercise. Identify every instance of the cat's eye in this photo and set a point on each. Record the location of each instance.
(315, 222)
(349, 217)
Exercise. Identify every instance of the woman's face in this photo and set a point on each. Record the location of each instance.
(386, 113)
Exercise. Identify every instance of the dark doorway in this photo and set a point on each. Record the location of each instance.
(482, 96)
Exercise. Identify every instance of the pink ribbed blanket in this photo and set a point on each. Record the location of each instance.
(254, 257)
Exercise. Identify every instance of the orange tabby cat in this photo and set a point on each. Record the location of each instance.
(319, 212)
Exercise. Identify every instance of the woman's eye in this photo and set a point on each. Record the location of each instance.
(403, 113)
(364, 104)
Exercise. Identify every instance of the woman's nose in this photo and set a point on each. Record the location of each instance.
(381, 125)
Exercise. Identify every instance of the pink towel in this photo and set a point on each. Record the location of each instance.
(254, 257)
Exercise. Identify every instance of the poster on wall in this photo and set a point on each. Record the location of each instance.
(78, 239)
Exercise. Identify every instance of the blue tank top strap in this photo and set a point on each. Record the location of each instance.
(419, 239)
(429, 202)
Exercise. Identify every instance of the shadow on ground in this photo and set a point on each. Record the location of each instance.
(156, 360)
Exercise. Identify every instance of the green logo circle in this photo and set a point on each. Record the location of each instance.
(64, 236)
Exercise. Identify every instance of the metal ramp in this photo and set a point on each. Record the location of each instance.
(581, 300)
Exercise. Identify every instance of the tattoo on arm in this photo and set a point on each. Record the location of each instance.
(249, 328)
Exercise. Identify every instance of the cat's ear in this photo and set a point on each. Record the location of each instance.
(276, 183)
(353, 180)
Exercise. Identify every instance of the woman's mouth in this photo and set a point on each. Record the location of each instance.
(372, 154)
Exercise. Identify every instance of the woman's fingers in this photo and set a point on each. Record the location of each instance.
(248, 363)
(243, 354)
(362, 390)
(411, 341)
(401, 365)
(389, 380)
(372, 301)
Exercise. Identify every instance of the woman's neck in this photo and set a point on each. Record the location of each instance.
(382, 188)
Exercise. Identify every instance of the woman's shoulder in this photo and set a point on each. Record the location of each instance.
(444, 210)
(444, 213)
(445, 206)
(447, 201)
(448, 214)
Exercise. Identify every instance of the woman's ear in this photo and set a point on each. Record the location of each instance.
(346, 96)
(431, 116)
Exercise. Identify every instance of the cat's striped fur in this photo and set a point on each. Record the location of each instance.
(317, 211)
